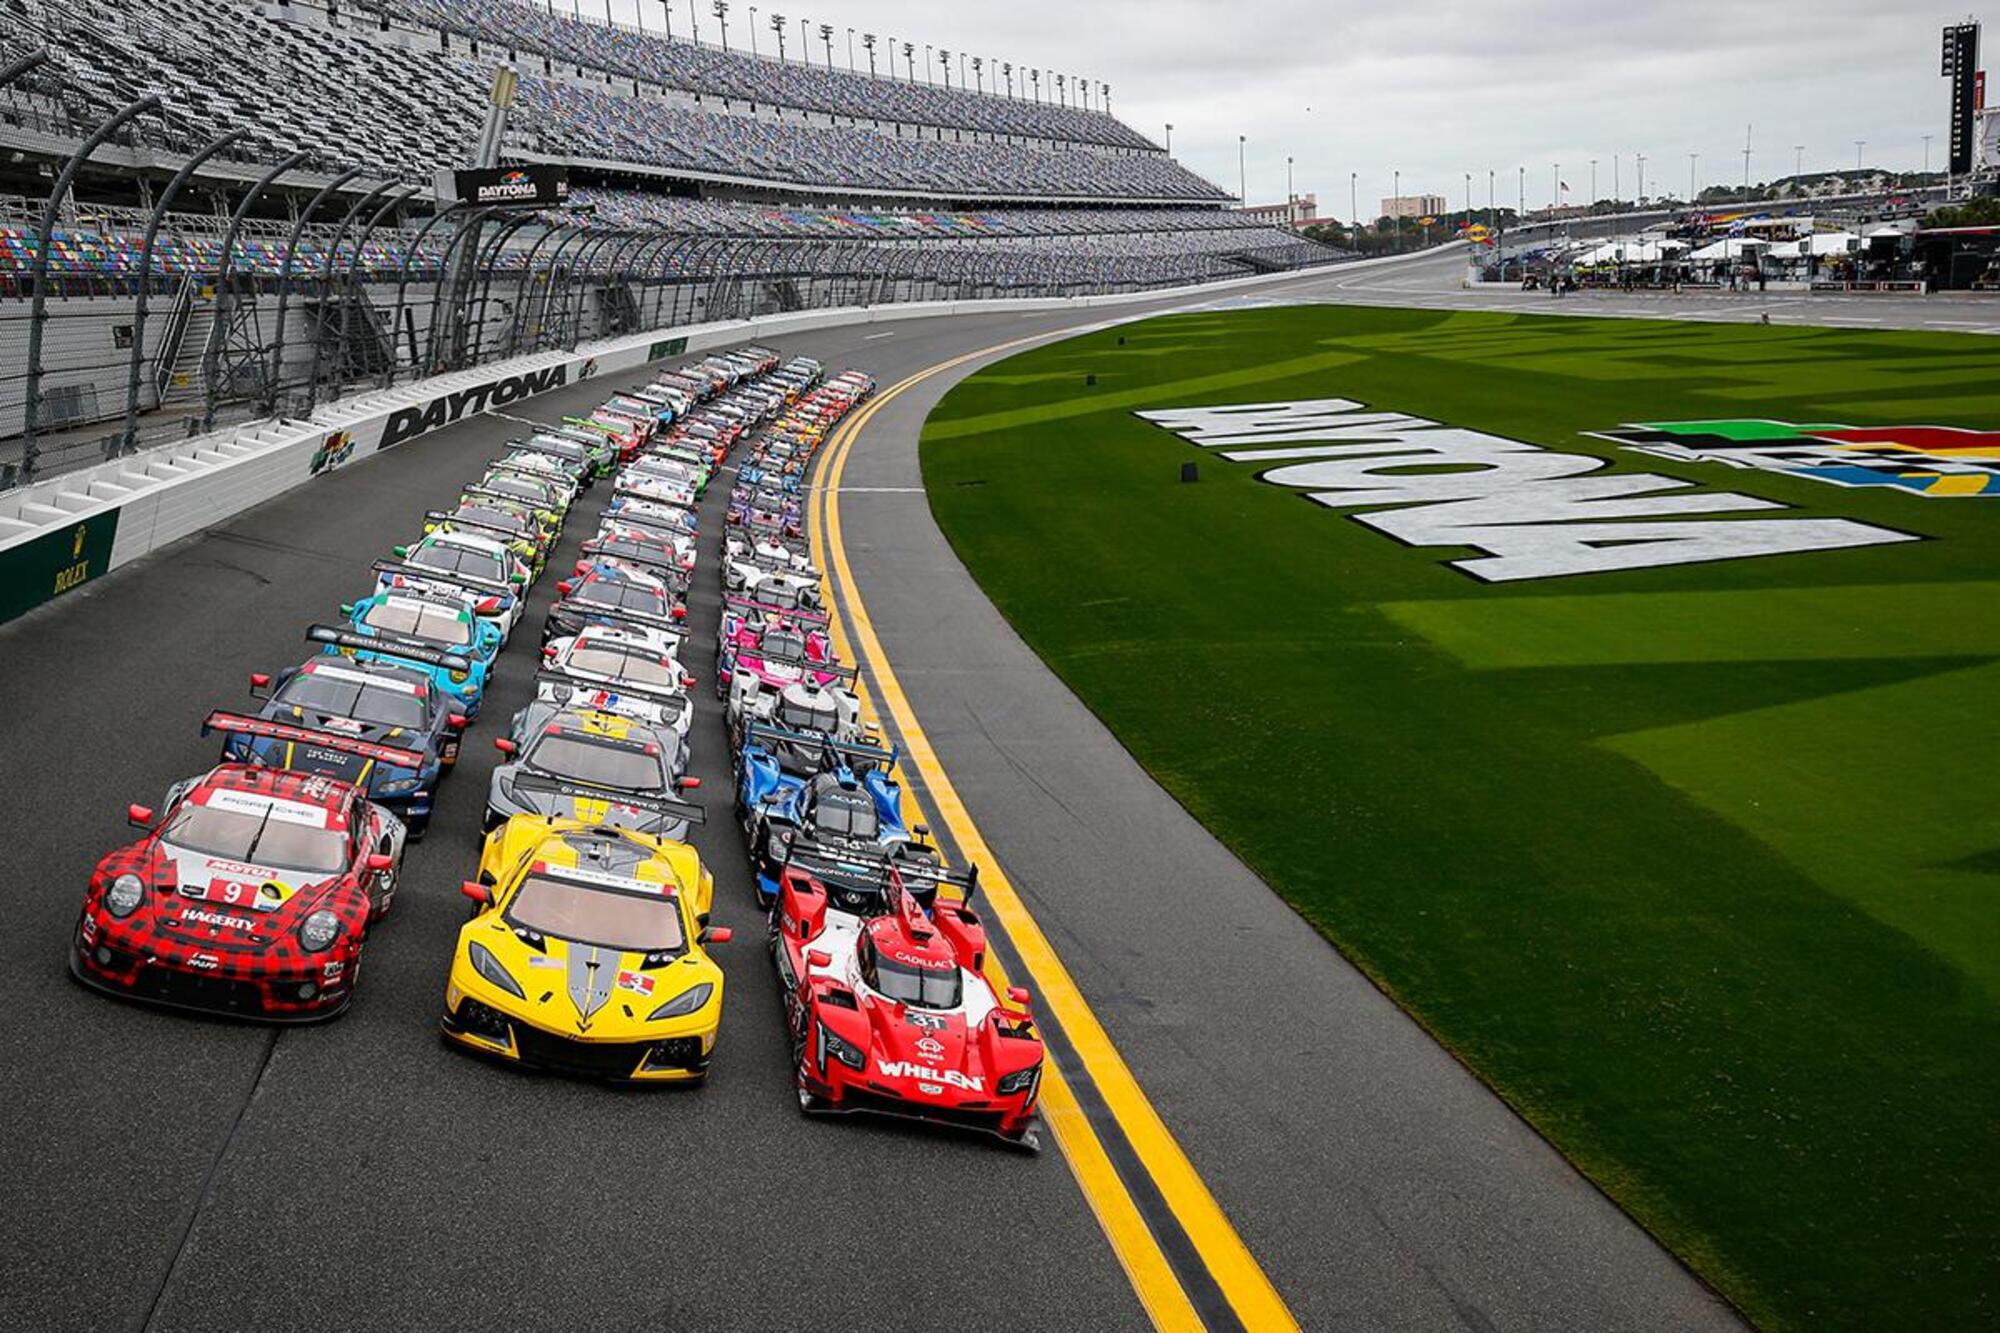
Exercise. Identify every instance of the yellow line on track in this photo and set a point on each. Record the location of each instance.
(1235, 1270)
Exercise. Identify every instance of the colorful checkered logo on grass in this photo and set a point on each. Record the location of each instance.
(1930, 460)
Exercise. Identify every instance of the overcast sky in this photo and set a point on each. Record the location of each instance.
(1438, 88)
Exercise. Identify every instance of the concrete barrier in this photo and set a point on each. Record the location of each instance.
(56, 535)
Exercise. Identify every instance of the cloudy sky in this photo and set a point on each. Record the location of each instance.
(1439, 88)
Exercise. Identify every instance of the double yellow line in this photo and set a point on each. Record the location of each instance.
(1229, 1264)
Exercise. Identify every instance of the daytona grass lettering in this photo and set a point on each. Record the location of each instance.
(1535, 513)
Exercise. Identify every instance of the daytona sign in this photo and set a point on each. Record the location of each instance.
(1532, 513)
(411, 422)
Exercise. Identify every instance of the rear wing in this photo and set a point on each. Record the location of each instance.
(661, 565)
(488, 493)
(553, 476)
(801, 663)
(239, 724)
(425, 574)
(745, 606)
(666, 806)
(763, 733)
(880, 870)
(389, 645)
(579, 683)
(674, 625)
(773, 564)
(443, 518)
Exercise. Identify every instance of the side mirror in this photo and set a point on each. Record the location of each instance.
(457, 721)
(687, 682)
(921, 830)
(818, 958)
(401, 552)
(517, 579)
(688, 784)
(1020, 996)
(563, 588)
(139, 816)
(476, 891)
(549, 651)
(347, 608)
(504, 746)
(583, 566)
(378, 862)
(718, 935)
(259, 681)
(680, 613)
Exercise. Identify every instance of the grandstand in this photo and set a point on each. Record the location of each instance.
(706, 183)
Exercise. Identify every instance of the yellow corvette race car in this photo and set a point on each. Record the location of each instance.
(586, 954)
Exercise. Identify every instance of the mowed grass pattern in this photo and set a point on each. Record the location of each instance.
(1696, 865)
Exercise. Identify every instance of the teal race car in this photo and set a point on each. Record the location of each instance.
(445, 638)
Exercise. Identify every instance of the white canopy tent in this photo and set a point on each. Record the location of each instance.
(1734, 247)
(1823, 243)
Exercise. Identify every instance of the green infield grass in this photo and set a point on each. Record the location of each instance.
(1698, 864)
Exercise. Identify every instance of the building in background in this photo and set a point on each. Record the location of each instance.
(1294, 213)
(1413, 206)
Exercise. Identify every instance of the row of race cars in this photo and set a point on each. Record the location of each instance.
(254, 886)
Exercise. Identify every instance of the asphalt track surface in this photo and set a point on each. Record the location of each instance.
(173, 1172)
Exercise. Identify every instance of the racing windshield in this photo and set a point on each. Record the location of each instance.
(783, 645)
(780, 594)
(492, 518)
(806, 717)
(580, 760)
(846, 816)
(364, 701)
(626, 596)
(435, 624)
(622, 665)
(923, 988)
(520, 490)
(607, 918)
(454, 559)
(261, 838)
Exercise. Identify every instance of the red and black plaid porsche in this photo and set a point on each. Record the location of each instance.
(251, 897)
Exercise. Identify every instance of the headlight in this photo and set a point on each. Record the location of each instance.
(318, 930)
(486, 965)
(398, 787)
(125, 895)
(458, 677)
(844, 1051)
(1019, 1080)
(685, 1003)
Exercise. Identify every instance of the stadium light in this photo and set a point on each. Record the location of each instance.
(927, 63)
(667, 12)
(778, 26)
(979, 79)
(826, 40)
(1593, 182)
(1007, 68)
(1640, 197)
(850, 50)
(694, 24)
(1692, 159)
(945, 57)
(1799, 156)
(1242, 181)
(721, 12)
(868, 41)
(1170, 138)
(1859, 144)
(1927, 153)
(910, 62)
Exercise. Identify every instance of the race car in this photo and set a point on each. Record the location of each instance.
(892, 1013)
(802, 705)
(633, 672)
(520, 534)
(748, 561)
(611, 594)
(444, 624)
(760, 673)
(798, 644)
(666, 557)
(850, 806)
(413, 727)
(460, 675)
(594, 767)
(251, 896)
(586, 954)
(635, 512)
(550, 471)
(548, 502)
(498, 606)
